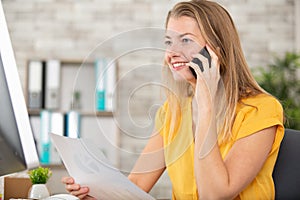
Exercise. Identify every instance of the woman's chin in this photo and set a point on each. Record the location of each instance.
(183, 77)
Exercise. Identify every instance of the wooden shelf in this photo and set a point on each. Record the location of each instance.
(33, 112)
(54, 166)
(98, 114)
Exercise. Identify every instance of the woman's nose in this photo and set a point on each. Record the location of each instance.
(173, 51)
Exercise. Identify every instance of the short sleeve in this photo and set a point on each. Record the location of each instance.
(262, 113)
(160, 117)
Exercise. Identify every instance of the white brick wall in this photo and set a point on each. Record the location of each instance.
(266, 28)
(297, 25)
(72, 29)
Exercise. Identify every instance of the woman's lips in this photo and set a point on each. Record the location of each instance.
(179, 65)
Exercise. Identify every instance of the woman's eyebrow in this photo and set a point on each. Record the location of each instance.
(184, 34)
(180, 35)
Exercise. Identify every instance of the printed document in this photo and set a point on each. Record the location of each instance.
(87, 164)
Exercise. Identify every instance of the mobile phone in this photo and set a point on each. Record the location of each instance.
(205, 53)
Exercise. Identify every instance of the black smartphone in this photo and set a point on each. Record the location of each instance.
(205, 53)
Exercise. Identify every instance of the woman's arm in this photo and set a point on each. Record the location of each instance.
(225, 179)
(217, 178)
(150, 165)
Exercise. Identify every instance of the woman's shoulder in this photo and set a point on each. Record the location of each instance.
(260, 100)
(261, 104)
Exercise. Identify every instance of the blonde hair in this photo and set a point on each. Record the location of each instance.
(219, 32)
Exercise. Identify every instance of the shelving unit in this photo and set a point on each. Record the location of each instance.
(98, 126)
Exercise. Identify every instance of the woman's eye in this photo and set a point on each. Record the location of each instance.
(186, 40)
(168, 43)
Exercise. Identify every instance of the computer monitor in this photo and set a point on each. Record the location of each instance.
(17, 148)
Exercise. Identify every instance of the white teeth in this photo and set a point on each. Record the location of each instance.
(178, 64)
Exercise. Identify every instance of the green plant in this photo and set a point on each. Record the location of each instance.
(39, 175)
(281, 79)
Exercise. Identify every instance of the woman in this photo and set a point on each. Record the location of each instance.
(218, 133)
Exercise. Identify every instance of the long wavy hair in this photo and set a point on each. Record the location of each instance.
(219, 32)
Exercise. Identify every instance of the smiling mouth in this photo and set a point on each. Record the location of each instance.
(179, 65)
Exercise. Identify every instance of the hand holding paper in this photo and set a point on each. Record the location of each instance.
(87, 164)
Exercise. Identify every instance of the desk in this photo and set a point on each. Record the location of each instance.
(16, 187)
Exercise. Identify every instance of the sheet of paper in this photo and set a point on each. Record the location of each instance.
(87, 164)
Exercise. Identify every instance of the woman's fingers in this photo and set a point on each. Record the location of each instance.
(76, 189)
(69, 184)
(196, 68)
(72, 187)
(211, 53)
(67, 180)
(202, 60)
(81, 193)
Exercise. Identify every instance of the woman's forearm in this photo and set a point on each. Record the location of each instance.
(210, 170)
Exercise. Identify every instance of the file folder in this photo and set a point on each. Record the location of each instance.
(35, 84)
(53, 70)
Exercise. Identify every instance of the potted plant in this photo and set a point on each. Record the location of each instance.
(39, 178)
(282, 79)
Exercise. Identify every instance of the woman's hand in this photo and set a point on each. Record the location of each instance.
(208, 80)
(209, 103)
(76, 189)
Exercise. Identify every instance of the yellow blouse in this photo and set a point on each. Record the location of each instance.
(254, 114)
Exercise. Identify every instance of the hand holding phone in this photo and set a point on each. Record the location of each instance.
(205, 53)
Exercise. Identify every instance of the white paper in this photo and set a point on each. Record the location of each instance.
(87, 164)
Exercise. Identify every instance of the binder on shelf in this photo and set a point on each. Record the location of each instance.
(110, 89)
(100, 65)
(57, 127)
(44, 137)
(35, 84)
(73, 124)
(35, 123)
(52, 87)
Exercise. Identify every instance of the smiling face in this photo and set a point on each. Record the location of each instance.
(183, 39)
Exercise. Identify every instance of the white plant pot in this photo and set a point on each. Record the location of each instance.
(38, 191)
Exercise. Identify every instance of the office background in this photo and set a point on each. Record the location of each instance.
(67, 30)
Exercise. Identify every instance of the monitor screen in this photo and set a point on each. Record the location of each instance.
(17, 147)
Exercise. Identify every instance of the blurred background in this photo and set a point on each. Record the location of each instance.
(82, 30)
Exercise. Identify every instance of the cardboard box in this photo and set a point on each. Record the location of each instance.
(16, 188)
